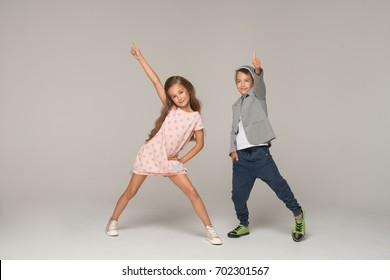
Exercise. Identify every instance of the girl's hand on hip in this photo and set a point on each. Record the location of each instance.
(173, 158)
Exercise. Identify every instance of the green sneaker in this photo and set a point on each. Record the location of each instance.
(238, 231)
(298, 231)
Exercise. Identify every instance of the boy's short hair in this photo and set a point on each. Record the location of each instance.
(245, 71)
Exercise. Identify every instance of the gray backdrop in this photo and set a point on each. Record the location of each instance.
(75, 107)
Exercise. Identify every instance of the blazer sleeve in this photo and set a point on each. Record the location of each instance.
(259, 85)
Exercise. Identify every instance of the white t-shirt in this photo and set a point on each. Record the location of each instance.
(241, 140)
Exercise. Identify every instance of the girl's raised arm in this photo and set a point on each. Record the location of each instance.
(135, 51)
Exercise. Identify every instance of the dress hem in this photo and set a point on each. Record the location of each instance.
(159, 174)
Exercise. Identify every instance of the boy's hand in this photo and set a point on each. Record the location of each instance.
(234, 156)
(256, 63)
(135, 51)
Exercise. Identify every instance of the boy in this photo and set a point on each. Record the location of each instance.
(250, 141)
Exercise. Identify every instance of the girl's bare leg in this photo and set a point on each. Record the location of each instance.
(133, 187)
(184, 183)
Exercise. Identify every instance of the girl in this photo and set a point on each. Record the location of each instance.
(178, 123)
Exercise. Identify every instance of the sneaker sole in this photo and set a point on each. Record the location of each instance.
(236, 235)
(217, 244)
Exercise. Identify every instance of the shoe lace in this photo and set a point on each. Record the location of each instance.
(238, 228)
(112, 225)
(212, 233)
(298, 226)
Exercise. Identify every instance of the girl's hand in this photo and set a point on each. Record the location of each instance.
(256, 63)
(173, 158)
(135, 51)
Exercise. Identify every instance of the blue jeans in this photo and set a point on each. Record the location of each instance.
(257, 162)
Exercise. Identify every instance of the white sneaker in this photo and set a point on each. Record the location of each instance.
(212, 236)
(112, 228)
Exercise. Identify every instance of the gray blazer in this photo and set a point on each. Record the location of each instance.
(253, 112)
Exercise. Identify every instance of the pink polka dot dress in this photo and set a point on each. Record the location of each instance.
(174, 134)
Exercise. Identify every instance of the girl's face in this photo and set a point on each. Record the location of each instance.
(180, 96)
(244, 82)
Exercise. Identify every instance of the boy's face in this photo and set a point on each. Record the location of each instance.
(244, 82)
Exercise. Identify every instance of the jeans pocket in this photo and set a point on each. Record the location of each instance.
(262, 152)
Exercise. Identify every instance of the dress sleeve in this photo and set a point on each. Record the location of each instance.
(198, 123)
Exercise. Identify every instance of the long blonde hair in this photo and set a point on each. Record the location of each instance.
(195, 104)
